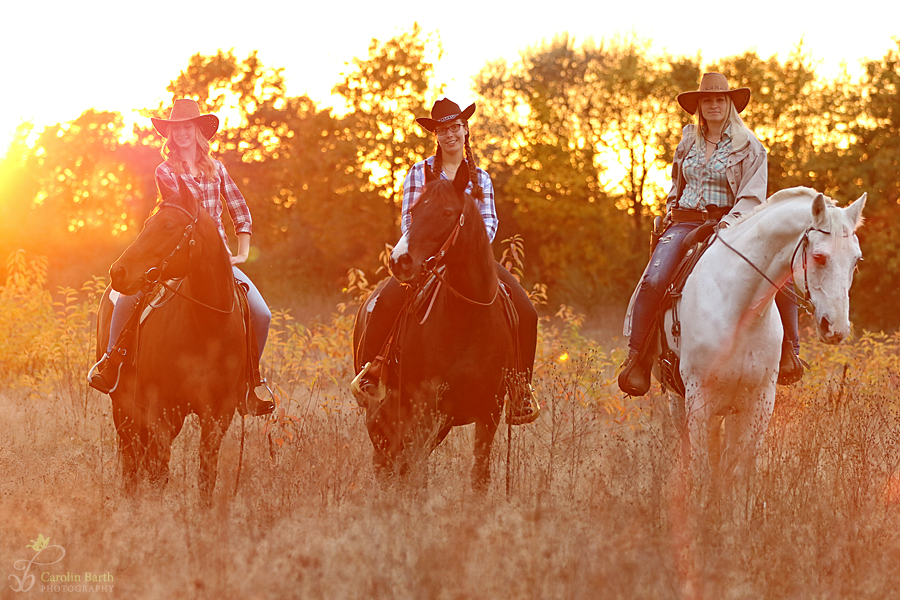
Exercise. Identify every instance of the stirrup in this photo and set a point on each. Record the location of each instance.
(366, 391)
(98, 375)
(528, 409)
(795, 373)
(255, 406)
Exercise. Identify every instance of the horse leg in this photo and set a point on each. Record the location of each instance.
(484, 439)
(695, 440)
(744, 437)
(212, 431)
(128, 450)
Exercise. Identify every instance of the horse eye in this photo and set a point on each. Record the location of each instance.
(820, 259)
(448, 213)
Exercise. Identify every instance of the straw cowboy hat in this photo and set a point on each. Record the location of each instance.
(714, 83)
(187, 110)
(444, 111)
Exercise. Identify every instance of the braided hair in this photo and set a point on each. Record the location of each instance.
(477, 191)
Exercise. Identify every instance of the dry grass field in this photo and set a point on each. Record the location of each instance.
(582, 503)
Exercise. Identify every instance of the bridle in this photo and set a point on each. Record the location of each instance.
(803, 299)
(432, 263)
(154, 274)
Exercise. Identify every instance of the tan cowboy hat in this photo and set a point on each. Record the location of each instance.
(444, 111)
(714, 83)
(187, 110)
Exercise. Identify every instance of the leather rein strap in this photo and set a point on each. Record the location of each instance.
(431, 265)
(803, 301)
(153, 274)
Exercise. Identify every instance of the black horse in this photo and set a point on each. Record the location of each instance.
(455, 348)
(191, 355)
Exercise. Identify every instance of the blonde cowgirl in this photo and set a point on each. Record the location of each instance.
(187, 159)
(719, 172)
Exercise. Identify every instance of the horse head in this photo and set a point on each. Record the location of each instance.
(438, 218)
(162, 250)
(830, 252)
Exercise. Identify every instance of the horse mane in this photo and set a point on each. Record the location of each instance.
(787, 195)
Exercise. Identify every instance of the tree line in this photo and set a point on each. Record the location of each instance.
(578, 139)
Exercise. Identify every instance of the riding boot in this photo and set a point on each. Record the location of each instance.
(368, 386)
(523, 406)
(104, 375)
(790, 368)
(634, 379)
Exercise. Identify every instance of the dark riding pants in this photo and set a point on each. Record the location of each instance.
(661, 271)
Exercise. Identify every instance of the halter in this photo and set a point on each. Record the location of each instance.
(431, 265)
(803, 301)
(153, 274)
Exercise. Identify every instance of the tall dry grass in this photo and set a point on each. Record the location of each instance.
(581, 504)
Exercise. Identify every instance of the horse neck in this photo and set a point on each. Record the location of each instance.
(210, 278)
(768, 240)
(470, 264)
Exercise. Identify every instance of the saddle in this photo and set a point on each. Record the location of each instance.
(160, 295)
(696, 246)
(420, 300)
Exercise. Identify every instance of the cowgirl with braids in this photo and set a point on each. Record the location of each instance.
(187, 159)
(450, 126)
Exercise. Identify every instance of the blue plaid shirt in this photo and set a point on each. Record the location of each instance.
(415, 183)
(705, 181)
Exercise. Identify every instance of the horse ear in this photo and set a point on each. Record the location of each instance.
(818, 211)
(854, 211)
(187, 197)
(429, 174)
(461, 180)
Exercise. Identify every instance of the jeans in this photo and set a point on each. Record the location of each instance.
(260, 316)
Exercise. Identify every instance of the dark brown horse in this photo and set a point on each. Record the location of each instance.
(191, 352)
(455, 351)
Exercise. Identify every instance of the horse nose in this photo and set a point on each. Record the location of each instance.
(401, 266)
(828, 332)
(116, 274)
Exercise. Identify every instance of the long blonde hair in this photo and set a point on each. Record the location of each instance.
(734, 119)
(203, 159)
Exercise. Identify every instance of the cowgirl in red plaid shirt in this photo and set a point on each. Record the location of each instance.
(186, 154)
(450, 127)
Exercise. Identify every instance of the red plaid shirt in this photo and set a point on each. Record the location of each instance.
(210, 192)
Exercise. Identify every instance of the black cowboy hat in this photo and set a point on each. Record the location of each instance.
(185, 109)
(444, 111)
(714, 83)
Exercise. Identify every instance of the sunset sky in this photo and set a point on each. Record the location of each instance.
(65, 57)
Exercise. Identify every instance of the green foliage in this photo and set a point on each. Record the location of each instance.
(577, 139)
(385, 93)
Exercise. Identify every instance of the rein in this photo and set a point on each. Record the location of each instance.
(153, 274)
(803, 301)
(431, 265)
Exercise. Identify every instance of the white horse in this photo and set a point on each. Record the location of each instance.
(731, 334)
